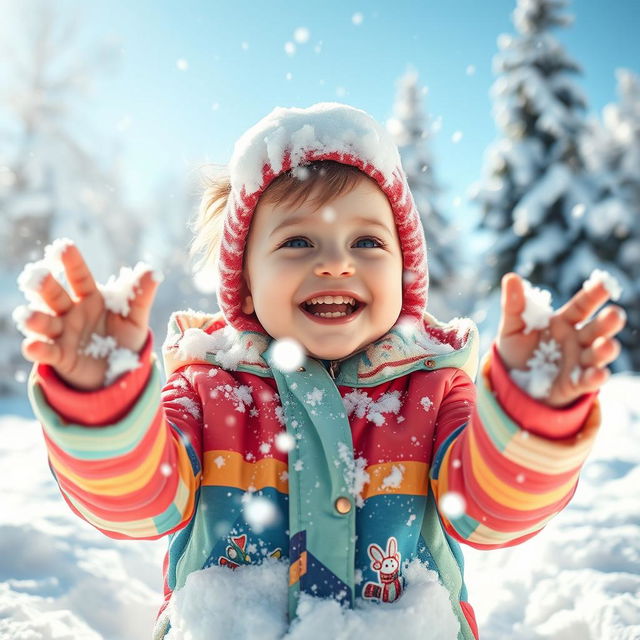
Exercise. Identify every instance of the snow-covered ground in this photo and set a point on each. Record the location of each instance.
(579, 579)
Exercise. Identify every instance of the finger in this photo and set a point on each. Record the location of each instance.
(513, 303)
(44, 323)
(593, 378)
(608, 322)
(600, 353)
(78, 274)
(36, 350)
(140, 308)
(55, 295)
(584, 303)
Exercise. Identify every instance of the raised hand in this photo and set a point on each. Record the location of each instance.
(586, 350)
(70, 322)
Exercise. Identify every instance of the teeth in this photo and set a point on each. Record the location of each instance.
(332, 300)
(335, 314)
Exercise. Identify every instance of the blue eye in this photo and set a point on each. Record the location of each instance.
(378, 243)
(294, 240)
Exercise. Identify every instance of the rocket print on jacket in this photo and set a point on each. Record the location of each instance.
(388, 568)
(236, 553)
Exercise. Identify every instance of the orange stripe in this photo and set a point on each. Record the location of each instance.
(224, 468)
(414, 478)
(120, 484)
(298, 568)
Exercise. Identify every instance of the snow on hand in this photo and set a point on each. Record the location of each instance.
(537, 307)
(118, 291)
(251, 602)
(542, 371)
(610, 283)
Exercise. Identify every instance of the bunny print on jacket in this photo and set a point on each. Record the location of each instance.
(388, 568)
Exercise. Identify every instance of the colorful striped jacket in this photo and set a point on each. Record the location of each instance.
(398, 425)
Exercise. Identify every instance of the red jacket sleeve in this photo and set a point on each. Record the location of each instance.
(514, 461)
(127, 458)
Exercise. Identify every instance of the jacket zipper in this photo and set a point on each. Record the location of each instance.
(334, 369)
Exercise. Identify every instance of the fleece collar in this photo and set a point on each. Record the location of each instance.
(200, 338)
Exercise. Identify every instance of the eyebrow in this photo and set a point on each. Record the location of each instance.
(293, 221)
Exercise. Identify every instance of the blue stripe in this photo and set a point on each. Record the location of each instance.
(437, 461)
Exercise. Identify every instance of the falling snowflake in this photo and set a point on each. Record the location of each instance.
(452, 504)
(426, 403)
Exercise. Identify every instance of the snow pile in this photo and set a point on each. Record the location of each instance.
(59, 577)
(580, 576)
(251, 602)
(323, 128)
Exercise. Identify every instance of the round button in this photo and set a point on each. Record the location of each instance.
(430, 363)
(300, 369)
(343, 505)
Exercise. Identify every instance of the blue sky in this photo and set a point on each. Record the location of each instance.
(167, 116)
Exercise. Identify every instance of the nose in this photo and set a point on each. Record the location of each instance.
(334, 262)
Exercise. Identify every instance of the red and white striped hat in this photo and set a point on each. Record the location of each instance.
(293, 137)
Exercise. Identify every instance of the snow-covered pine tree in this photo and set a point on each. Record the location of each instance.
(536, 189)
(409, 127)
(611, 152)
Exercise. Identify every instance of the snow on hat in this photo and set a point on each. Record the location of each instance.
(293, 137)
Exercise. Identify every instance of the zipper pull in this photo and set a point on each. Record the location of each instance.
(334, 369)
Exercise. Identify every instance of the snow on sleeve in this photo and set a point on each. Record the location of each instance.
(240, 396)
(542, 370)
(251, 602)
(537, 307)
(610, 283)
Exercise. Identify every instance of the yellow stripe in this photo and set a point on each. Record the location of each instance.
(507, 495)
(124, 483)
(555, 456)
(529, 450)
(414, 478)
(186, 491)
(136, 528)
(224, 468)
(484, 535)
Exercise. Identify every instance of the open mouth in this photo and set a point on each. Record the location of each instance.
(332, 313)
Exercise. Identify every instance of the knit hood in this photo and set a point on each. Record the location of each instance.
(294, 137)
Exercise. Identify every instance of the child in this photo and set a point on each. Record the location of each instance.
(321, 244)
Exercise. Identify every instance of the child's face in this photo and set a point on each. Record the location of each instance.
(327, 249)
